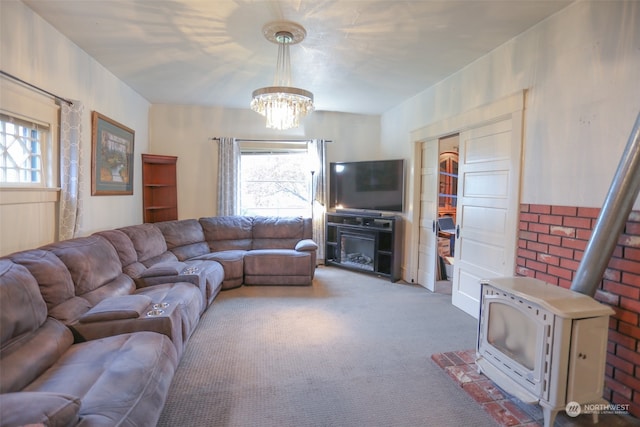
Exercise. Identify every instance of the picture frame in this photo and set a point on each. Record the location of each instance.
(112, 146)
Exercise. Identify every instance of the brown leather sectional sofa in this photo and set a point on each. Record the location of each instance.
(92, 328)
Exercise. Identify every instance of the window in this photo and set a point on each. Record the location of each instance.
(276, 183)
(21, 148)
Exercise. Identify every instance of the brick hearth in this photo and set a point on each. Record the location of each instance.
(508, 411)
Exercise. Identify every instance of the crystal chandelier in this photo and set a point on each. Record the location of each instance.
(282, 104)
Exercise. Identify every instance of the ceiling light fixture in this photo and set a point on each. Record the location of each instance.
(282, 104)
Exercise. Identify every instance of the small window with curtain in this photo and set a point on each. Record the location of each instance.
(275, 182)
(22, 144)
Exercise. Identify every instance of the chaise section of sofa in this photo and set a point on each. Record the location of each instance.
(46, 379)
(282, 252)
(261, 250)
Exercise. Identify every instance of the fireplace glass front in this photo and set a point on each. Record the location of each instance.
(513, 333)
(357, 251)
(514, 336)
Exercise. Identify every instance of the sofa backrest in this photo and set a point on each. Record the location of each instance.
(277, 232)
(55, 282)
(184, 238)
(30, 342)
(125, 250)
(226, 233)
(149, 244)
(94, 266)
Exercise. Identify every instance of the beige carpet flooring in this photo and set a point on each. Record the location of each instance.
(351, 350)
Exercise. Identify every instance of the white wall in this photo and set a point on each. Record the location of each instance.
(581, 69)
(185, 131)
(37, 53)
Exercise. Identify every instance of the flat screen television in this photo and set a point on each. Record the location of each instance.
(376, 185)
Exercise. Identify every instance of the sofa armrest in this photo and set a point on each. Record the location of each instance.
(306, 245)
(115, 308)
(168, 272)
(44, 408)
(164, 269)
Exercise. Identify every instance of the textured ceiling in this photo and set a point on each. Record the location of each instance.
(363, 56)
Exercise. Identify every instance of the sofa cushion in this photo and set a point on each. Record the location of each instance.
(46, 409)
(278, 267)
(70, 310)
(164, 269)
(120, 307)
(122, 244)
(276, 232)
(226, 233)
(233, 265)
(277, 262)
(120, 380)
(184, 238)
(92, 261)
(54, 280)
(29, 341)
(149, 244)
(126, 252)
(22, 308)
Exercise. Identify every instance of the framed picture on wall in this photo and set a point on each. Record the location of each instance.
(111, 157)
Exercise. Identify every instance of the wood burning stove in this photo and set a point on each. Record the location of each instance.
(542, 343)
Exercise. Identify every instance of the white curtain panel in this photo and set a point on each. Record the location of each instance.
(317, 151)
(71, 170)
(228, 176)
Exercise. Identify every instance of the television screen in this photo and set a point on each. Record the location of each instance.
(370, 185)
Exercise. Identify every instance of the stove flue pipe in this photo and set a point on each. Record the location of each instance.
(613, 216)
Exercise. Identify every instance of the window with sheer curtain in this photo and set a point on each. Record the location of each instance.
(275, 182)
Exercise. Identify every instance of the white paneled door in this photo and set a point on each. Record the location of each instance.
(488, 207)
(428, 213)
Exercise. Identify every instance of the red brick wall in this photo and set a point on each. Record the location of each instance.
(551, 243)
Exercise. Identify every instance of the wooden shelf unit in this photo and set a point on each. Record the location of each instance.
(159, 188)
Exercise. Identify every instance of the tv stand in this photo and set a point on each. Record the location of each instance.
(368, 242)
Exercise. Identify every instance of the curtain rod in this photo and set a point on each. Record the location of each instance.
(217, 138)
(4, 73)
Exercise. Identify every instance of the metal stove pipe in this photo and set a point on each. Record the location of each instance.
(613, 216)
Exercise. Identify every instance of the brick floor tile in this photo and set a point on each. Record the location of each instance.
(441, 360)
(501, 414)
(455, 358)
(469, 356)
(517, 412)
(475, 390)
